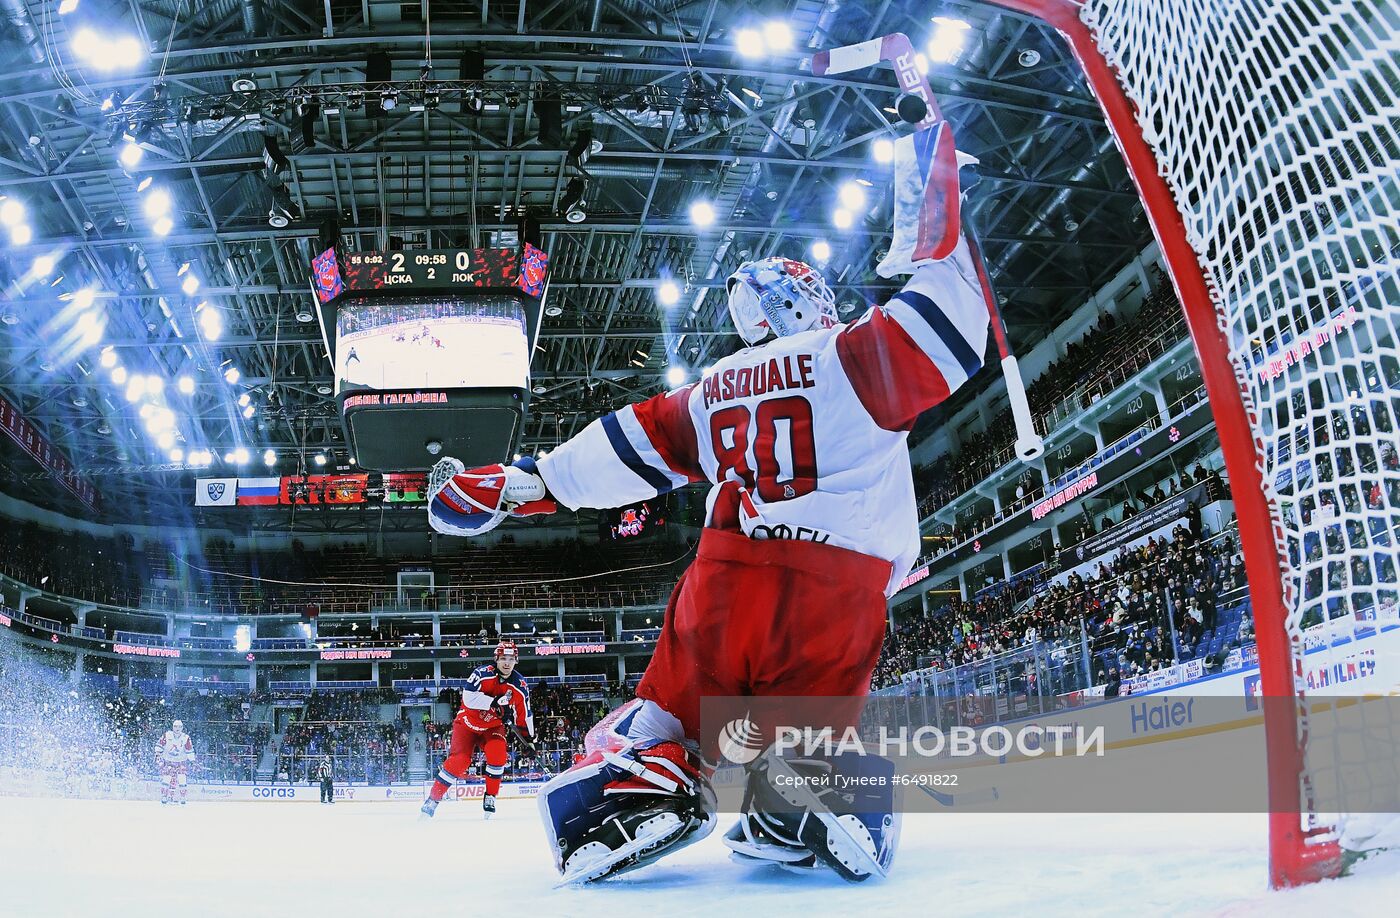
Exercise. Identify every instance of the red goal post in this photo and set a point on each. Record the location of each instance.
(1154, 66)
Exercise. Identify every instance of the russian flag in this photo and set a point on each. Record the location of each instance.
(258, 492)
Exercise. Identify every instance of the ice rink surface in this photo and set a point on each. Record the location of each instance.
(122, 858)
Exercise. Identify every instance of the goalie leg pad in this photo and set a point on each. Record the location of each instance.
(629, 802)
(850, 826)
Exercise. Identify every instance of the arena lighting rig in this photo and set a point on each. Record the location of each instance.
(467, 96)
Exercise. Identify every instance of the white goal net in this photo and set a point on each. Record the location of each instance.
(1275, 125)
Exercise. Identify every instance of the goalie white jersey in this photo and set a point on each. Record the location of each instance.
(804, 437)
(173, 748)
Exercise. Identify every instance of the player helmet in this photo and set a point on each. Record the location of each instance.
(507, 649)
(178, 726)
(778, 296)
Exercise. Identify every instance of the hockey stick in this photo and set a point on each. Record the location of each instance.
(526, 745)
(962, 798)
(896, 50)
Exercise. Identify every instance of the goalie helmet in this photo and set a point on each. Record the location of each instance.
(177, 727)
(778, 296)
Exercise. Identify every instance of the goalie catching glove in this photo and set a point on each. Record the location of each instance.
(464, 502)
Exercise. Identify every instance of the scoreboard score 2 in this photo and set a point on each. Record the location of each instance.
(430, 269)
(430, 350)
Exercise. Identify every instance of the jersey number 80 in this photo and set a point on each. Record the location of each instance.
(730, 431)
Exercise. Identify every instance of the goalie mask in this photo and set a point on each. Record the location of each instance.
(779, 297)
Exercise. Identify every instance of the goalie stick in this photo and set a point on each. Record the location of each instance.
(939, 240)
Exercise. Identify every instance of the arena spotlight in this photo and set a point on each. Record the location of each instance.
(119, 375)
(702, 213)
(163, 226)
(43, 266)
(748, 42)
(232, 375)
(821, 250)
(190, 284)
(108, 358)
(186, 385)
(131, 154)
(842, 218)
(852, 195)
(269, 458)
(249, 411)
(211, 323)
(21, 234)
(11, 212)
(571, 204)
(165, 439)
(244, 400)
(948, 39)
(84, 298)
(157, 203)
(243, 637)
(777, 35)
(320, 459)
(241, 456)
(882, 150)
(177, 455)
(66, 6)
(581, 150)
(675, 376)
(144, 183)
(89, 328)
(668, 294)
(154, 385)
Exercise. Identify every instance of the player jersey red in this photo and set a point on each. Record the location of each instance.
(480, 705)
(804, 437)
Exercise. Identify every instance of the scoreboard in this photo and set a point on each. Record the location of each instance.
(429, 269)
(431, 350)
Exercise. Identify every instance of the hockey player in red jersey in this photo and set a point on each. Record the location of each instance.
(811, 523)
(496, 696)
(174, 753)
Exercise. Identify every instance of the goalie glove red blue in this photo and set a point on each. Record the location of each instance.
(464, 502)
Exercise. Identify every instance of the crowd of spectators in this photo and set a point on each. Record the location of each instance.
(948, 537)
(1108, 354)
(348, 727)
(1126, 606)
(217, 578)
(72, 563)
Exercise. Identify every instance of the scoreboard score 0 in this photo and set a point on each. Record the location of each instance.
(336, 274)
(430, 349)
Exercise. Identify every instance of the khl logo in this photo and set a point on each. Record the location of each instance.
(216, 490)
(739, 741)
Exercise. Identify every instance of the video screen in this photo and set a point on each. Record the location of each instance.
(431, 342)
(633, 521)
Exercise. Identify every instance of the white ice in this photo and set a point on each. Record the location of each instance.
(120, 858)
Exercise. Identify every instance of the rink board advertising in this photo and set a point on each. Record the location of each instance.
(1140, 753)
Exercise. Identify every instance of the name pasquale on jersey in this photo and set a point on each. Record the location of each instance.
(776, 374)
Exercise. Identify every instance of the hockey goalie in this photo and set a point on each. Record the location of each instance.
(811, 523)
